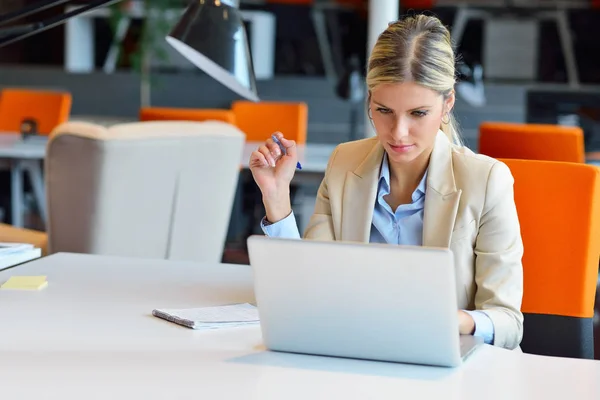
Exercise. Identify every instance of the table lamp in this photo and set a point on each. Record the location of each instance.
(210, 34)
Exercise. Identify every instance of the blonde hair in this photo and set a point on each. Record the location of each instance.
(419, 49)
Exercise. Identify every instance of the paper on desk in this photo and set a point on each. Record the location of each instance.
(11, 248)
(25, 283)
(211, 317)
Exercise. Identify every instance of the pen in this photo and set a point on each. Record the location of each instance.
(298, 166)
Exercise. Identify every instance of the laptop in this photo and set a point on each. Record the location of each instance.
(364, 301)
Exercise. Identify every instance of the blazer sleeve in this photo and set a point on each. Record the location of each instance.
(498, 263)
(320, 226)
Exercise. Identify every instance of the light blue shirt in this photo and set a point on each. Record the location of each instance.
(404, 226)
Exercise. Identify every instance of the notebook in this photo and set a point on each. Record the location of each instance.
(205, 318)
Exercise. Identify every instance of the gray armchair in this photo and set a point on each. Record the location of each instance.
(146, 189)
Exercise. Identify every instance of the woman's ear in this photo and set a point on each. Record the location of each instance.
(368, 103)
(449, 103)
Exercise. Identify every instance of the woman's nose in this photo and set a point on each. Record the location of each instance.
(400, 129)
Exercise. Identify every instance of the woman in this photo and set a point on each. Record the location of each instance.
(414, 184)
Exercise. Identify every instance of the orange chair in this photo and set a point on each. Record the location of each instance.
(559, 211)
(532, 141)
(259, 120)
(9, 233)
(47, 108)
(186, 114)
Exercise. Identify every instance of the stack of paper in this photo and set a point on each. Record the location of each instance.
(12, 254)
(10, 248)
(25, 283)
(211, 317)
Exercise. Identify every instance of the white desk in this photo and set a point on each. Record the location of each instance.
(14, 147)
(312, 156)
(539, 10)
(90, 333)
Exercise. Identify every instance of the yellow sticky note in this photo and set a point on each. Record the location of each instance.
(25, 283)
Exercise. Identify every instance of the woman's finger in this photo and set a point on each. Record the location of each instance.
(273, 148)
(267, 154)
(290, 146)
(257, 159)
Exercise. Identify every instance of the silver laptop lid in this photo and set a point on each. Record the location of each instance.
(379, 302)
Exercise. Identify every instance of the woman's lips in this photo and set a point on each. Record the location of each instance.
(402, 148)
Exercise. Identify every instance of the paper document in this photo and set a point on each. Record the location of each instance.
(11, 258)
(211, 317)
(11, 248)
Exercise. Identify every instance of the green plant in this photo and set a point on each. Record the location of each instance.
(155, 26)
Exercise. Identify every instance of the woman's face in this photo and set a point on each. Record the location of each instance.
(407, 117)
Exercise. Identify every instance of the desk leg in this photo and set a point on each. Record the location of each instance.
(320, 25)
(458, 25)
(462, 17)
(16, 186)
(34, 169)
(566, 42)
(262, 42)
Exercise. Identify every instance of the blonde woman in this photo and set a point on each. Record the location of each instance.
(414, 183)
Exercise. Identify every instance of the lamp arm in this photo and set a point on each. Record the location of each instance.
(30, 9)
(13, 34)
(18, 30)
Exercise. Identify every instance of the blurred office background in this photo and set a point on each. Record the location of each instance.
(520, 61)
(307, 46)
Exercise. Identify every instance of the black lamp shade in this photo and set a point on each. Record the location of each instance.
(211, 35)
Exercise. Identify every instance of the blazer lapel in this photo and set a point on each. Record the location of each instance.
(360, 193)
(441, 197)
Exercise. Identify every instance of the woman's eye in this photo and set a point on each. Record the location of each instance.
(419, 113)
(384, 110)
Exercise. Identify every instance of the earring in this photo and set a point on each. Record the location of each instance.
(448, 119)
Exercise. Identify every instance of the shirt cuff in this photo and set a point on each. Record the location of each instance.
(484, 327)
(284, 229)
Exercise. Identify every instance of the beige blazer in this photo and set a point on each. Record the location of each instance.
(469, 208)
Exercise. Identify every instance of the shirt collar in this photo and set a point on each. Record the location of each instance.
(384, 180)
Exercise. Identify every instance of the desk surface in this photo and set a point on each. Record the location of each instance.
(12, 145)
(90, 333)
(313, 157)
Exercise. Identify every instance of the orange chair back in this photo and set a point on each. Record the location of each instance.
(532, 141)
(559, 211)
(259, 120)
(48, 108)
(186, 114)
